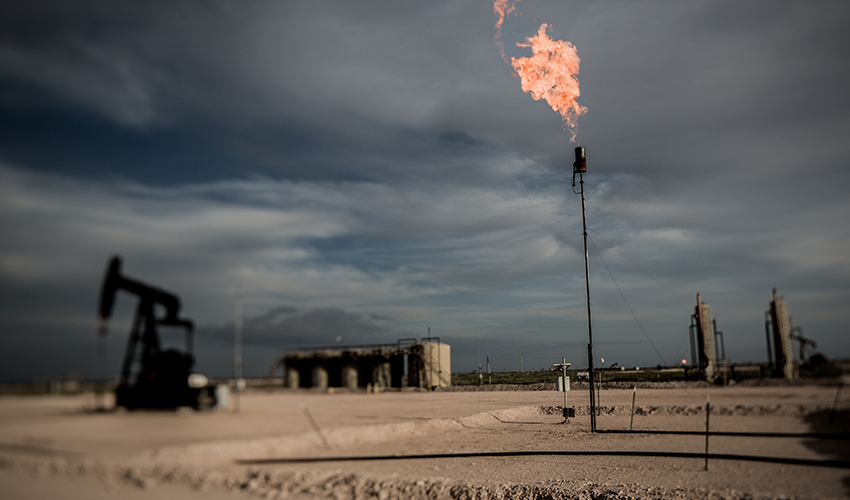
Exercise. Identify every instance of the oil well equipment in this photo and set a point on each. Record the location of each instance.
(152, 377)
(781, 332)
(703, 335)
(424, 364)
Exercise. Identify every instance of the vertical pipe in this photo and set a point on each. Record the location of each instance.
(599, 393)
(632, 418)
(693, 342)
(717, 359)
(440, 362)
(589, 327)
(767, 336)
(725, 362)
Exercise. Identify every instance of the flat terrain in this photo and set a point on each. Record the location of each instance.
(465, 444)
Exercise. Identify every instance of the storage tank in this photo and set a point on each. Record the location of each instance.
(320, 375)
(293, 377)
(430, 365)
(349, 374)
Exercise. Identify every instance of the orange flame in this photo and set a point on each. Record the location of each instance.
(550, 74)
(502, 8)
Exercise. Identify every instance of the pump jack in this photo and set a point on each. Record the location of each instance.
(153, 378)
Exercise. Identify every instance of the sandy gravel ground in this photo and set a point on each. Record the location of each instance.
(487, 444)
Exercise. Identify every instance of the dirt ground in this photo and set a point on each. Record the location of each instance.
(465, 444)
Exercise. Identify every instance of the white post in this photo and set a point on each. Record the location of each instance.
(564, 367)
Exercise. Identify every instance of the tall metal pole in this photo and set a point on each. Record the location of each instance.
(580, 167)
(589, 327)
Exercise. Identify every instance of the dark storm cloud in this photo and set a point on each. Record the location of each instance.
(380, 158)
(430, 68)
(290, 327)
(361, 86)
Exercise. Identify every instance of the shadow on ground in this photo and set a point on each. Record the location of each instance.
(830, 421)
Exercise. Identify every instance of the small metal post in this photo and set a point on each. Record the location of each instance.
(632, 418)
(598, 393)
(691, 328)
(478, 346)
(707, 413)
(489, 375)
(564, 386)
(767, 337)
(315, 426)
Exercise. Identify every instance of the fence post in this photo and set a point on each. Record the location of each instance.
(707, 413)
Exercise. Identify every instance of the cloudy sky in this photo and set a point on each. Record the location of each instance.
(359, 172)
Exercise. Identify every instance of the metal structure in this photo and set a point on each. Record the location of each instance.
(427, 364)
(781, 333)
(722, 360)
(580, 167)
(807, 346)
(150, 376)
(778, 329)
(702, 332)
(564, 386)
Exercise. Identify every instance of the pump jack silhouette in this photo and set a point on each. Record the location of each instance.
(151, 377)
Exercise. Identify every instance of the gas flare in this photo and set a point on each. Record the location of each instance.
(551, 71)
(502, 8)
(550, 74)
